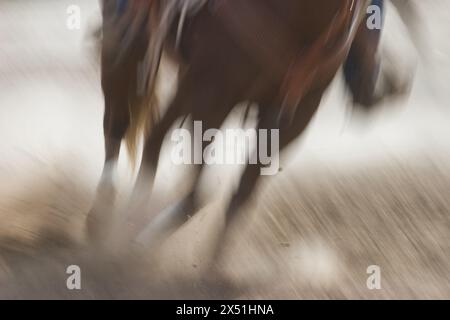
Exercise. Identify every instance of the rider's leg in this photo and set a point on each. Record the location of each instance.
(362, 67)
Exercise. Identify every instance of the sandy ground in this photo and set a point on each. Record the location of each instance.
(351, 193)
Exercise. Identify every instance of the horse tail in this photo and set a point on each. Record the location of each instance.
(144, 111)
(144, 114)
(144, 105)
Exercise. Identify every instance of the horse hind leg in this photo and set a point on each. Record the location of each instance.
(252, 172)
(211, 107)
(116, 121)
(139, 199)
(174, 216)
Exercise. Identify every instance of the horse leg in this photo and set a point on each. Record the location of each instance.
(252, 172)
(115, 123)
(119, 84)
(152, 231)
(190, 203)
(211, 110)
(211, 106)
(189, 97)
(140, 196)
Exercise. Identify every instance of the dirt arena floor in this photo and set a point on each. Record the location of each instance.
(354, 192)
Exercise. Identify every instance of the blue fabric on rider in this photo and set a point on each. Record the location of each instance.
(121, 6)
(379, 4)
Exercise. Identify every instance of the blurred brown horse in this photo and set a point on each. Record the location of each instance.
(279, 55)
